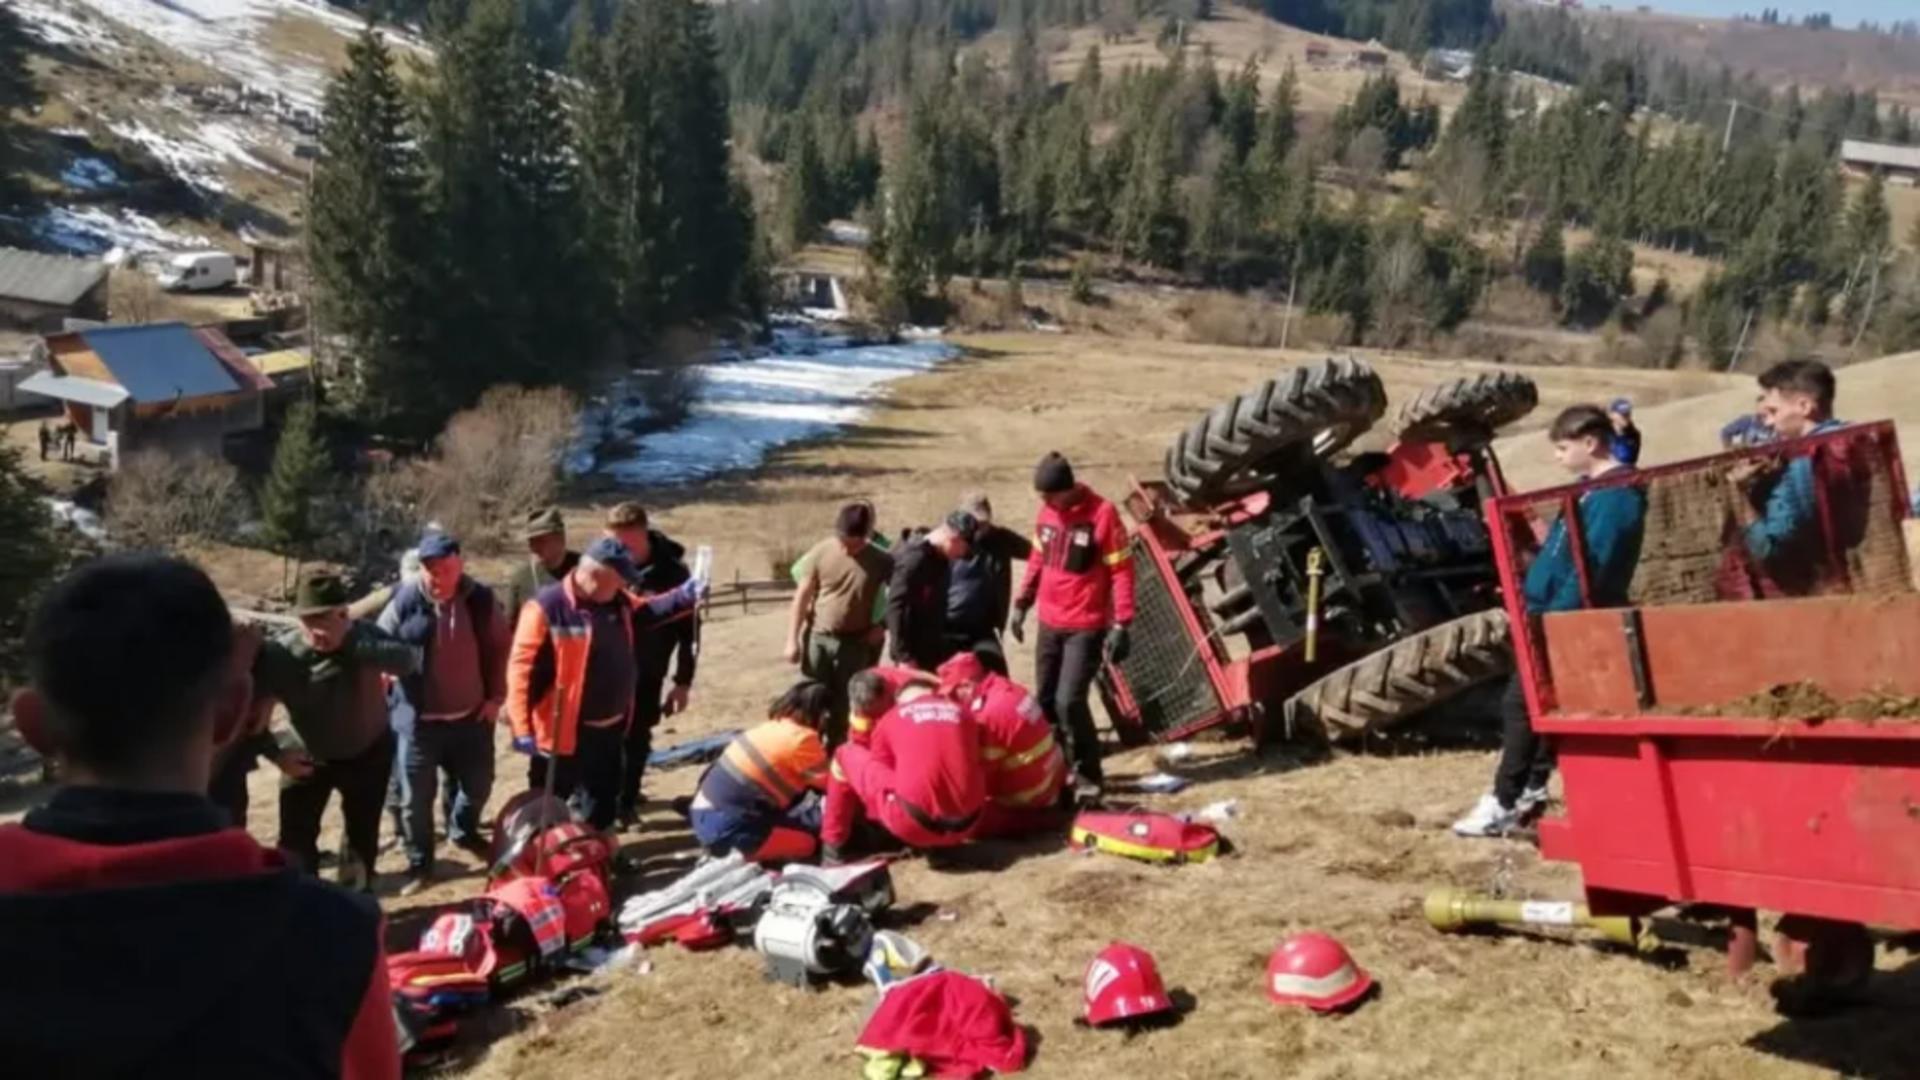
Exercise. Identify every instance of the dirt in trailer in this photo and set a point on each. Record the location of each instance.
(1809, 701)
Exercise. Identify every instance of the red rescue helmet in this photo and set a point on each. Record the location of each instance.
(1123, 983)
(1314, 970)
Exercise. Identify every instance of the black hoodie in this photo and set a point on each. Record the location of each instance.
(140, 937)
(657, 644)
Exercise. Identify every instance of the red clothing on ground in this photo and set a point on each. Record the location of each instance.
(921, 779)
(1081, 572)
(954, 1023)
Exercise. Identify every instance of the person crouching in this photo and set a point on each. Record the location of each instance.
(1025, 768)
(920, 779)
(762, 797)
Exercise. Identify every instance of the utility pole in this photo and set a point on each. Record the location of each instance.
(1286, 324)
(1741, 345)
(1866, 318)
(1733, 110)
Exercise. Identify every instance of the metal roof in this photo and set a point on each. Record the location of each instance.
(1861, 152)
(160, 362)
(47, 279)
(74, 388)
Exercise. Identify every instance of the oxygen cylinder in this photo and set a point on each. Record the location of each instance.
(1453, 909)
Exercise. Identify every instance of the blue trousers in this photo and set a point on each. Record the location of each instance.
(463, 749)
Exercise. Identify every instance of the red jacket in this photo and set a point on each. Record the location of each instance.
(1082, 566)
(169, 945)
(1025, 767)
(954, 1023)
(933, 747)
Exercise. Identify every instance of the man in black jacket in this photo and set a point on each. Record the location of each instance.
(980, 593)
(658, 647)
(917, 597)
(141, 935)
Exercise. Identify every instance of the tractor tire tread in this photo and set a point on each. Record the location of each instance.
(1239, 445)
(1474, 406)
(1394, 685)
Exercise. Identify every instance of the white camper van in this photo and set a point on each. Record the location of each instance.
(197, 271)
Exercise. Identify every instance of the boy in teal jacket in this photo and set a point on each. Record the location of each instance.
(1612, 520)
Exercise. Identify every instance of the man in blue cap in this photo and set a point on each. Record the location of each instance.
(572, 672)
(1626, 437)
(456, 698)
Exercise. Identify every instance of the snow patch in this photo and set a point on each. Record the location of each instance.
(90, 174)
(63, 28)
(95, 230)
(85, 521)
(745, 408)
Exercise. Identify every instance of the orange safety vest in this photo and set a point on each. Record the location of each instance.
(779, 761)
(547, 667)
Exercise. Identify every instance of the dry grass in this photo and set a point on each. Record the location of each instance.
(1349, 846)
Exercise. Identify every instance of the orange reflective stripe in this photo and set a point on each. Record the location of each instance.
(859, 723)
(992, 753)
(1118, 557)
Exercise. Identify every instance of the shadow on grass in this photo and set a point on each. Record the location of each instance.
(1871, 1038)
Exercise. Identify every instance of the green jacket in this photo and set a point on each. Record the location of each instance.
(528, 578)
(335, 701)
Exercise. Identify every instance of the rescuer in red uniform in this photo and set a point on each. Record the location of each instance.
(1025, 768)
(920, 778)
(1081, 575)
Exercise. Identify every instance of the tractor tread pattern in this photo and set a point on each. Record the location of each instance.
(1226, 453)
(1475, 405)
(1389, 687)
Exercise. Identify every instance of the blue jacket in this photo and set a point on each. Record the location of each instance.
(1790, 508)
(1611, 523)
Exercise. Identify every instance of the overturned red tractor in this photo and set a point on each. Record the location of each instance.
(1311, 593)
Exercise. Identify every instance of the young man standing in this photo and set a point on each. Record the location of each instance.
(1612, 520)
(1081, 575)
(327, 674)
(980, 592)
(456, 700)
(672, 645)
(203, 953)
(1778, 525)
(570, 676)
(547, 561)
(917, 597)
(832, 631)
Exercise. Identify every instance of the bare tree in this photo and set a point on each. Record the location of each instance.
(133, 296)
(1460, 176)
(161, 501)
(1399, 290)
(1367, 156)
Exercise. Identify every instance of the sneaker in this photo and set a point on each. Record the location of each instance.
(418, 881)
(1487, 818)
(1532, 803)
(1086, 793)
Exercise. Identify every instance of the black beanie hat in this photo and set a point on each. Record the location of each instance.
(1053, 475)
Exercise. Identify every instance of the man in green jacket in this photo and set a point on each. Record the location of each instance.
(548, 559)
(328, 675)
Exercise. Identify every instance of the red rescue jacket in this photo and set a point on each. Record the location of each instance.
(860, 728)
(1081, 572)
(1025, 768)
(933, 747)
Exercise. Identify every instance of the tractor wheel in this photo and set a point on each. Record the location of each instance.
(1397, 683)
(1471, 408)
(1244, 444)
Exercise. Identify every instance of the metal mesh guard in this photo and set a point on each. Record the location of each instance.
(1164, 671)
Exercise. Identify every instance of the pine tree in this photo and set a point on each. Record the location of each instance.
(1869, 225)
(806, 193)
(296, 480)
(30, 556)
(17, 92)
(1545, 263)
(1278, 127)
(371, 247)
(1240, 118)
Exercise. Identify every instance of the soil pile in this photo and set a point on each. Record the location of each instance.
(1810, 701)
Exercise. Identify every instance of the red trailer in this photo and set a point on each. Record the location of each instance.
(1671, 794)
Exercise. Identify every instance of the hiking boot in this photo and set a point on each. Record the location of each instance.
(418, 881)
(476, 847)
(1487, 818)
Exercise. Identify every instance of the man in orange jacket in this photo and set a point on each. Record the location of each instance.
(142, 935)
(1081, 575)
(571, 675)
(1025, 768)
